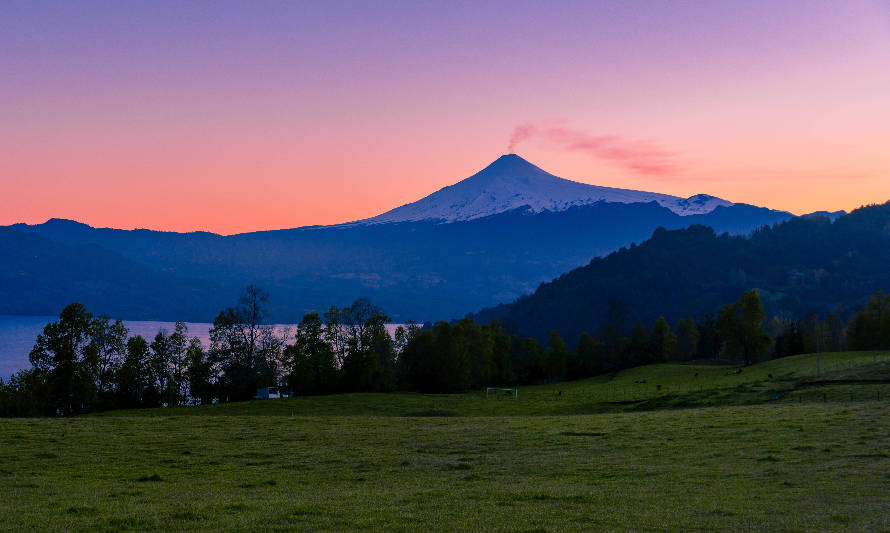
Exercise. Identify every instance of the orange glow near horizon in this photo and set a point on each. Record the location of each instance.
(310, 114)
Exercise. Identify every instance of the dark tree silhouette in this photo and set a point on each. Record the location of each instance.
(67, 359)
(741, 328)
(244, 348)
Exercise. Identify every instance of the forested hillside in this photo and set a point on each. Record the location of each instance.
(804, 265)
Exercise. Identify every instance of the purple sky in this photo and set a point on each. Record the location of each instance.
(256, 115)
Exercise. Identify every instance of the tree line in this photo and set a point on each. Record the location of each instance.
(84, 363)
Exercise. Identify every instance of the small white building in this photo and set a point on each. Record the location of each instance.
(272, 392)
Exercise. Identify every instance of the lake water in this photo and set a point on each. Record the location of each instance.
(18, 333)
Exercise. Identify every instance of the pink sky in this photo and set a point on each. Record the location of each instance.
(216, 116)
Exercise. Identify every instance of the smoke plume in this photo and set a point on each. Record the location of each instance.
(642, 157)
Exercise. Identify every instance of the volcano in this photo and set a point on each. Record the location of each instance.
(511, 182)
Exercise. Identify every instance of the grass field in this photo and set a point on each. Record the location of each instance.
(843, 377)
(792, 464)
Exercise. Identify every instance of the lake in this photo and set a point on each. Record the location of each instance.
(18, 333)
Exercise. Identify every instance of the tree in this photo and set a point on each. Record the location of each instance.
(334, 334)
(199, 373)
(246, 350)
(816, 334)
(640, 347)
(369, 363)
(132, 379)
(355, 319)
(663, 341)
(377, 340)
(437, 360)
(416, 363)
(870, 328)
(476, 345)
(740, 326)
(687, 340)
(25, 394)
(179, 344)
(167, 364)
(528, 360)
(557, 356)
(310, 363)
(67, 359)
(590, 357)
(709, 341)
(400, 338)
(501, 353)
(159, 363)
(110, 339)
(837, 331)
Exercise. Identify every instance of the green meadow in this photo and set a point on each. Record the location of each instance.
(779, 446)
(835, 377)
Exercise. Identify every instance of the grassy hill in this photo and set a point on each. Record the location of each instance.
(796, 463)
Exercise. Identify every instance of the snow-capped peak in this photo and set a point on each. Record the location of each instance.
(511, 182)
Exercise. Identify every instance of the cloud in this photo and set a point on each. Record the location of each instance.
(641, 157)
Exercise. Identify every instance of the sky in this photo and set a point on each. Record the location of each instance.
(241, 116)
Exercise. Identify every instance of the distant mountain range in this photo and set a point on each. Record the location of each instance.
(486, 240)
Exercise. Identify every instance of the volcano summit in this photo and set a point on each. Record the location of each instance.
(511, 182)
